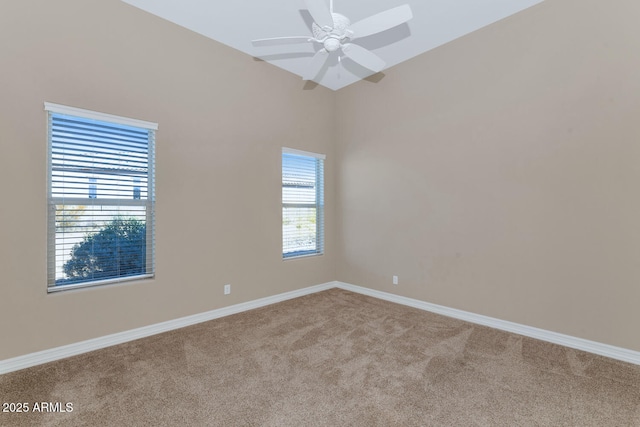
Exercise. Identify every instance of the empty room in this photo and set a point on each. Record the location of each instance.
(320, 213)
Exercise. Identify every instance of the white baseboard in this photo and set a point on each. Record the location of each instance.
(606, 350)
(38, 358)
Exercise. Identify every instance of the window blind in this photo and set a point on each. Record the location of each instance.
(101, 198)
(302, 203)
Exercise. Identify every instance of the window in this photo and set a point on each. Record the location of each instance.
(100, 198)
(302, 203)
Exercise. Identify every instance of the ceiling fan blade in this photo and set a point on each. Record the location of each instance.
(381, 21)
(320, 12)
(316, 63)
(281, 40)
(363, 57)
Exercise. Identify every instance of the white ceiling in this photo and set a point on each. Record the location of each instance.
(237, 22)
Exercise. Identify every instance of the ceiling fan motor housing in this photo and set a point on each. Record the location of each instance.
(333, 37)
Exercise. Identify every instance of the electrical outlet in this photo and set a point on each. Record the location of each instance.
(395, 280)
(227, 289)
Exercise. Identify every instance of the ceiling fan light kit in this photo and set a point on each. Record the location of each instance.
(334, 32)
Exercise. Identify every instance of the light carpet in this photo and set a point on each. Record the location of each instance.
(334, 358)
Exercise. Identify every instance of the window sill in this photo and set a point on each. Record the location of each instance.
(98, 283)
(309, 255)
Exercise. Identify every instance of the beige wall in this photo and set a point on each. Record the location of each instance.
(223, 119)
(499, 174)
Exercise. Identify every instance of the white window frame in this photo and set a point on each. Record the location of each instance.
(148, 203)
(319, 205)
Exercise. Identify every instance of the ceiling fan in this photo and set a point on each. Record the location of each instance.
(335, 32)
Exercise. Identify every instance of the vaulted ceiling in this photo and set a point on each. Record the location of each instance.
(237, 22)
